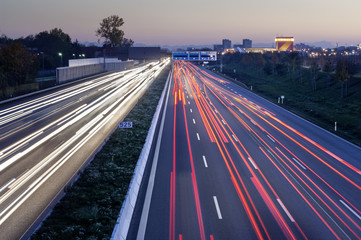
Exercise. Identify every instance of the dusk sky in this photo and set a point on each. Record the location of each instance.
(161, 22)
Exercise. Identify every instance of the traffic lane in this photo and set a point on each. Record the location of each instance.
(28, 212)
(238, 203)
(214, 182)
(317, 160)
(222, 214)
(337, 145)
(41, 116)
(158, 218)
(55, 125)
(349, 174)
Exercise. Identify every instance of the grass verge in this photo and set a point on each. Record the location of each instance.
(91, 206)
(323, 107)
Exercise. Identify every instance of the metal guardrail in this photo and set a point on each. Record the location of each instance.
(122, 225)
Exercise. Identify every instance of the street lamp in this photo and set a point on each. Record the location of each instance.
(61, 59)
(42, 54)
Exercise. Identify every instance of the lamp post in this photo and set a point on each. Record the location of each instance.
(61, 59)
(42, 54)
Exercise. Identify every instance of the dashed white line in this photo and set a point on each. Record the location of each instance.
(271, 138)
(187, 96)
(215, 110)
(191, 110)
(223, 122)
(205, 161)
(285, 209)
(235, 139)
(294, 159)
(271, 153)
(351, 210)
(198, 137)
(189, 102)
(254, 165)
(217, 207)
(253, 122)
(194, 121)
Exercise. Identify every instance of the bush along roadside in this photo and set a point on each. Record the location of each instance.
(91, 206)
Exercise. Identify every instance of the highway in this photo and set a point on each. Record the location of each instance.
(45, 140)
(230, 165)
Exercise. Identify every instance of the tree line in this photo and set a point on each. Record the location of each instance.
(21, 59)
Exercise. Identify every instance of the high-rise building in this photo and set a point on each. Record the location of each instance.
(226, 44)
(247, 43)
(284, 43)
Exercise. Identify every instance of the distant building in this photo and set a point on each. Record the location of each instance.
(139, 53)
(284, 43)
(247, 43)
(218, 47)
(226, 44)
(144, 53)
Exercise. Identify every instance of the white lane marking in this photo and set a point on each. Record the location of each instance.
(223, 122)
(215, 110)
(271, 138)
(217, 207)
(285, 209)
(194, 121)
(198, 137)
(294, 159)
(205, 161)
(189, 102)
(8, 184)
(191, 110)
(253, 122)
(235, 139)
(254, 165)
(271, 153)
(351, 210)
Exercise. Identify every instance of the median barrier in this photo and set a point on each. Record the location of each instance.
(121, 228)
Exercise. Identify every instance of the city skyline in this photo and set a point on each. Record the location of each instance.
(165, 23)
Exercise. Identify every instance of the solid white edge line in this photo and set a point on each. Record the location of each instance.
(285, 210)
(351, 210)
(205, 161)
(146, 207)
(217, 207)
(254, 165)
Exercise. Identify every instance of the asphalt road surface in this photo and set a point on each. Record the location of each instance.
(47, 139)
(232, 165)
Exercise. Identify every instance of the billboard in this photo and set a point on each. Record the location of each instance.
(195, 56)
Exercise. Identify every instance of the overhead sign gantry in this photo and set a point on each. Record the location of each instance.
(195, 56)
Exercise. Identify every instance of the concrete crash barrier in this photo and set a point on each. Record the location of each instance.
(66, 74)
(121, 228)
